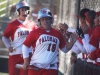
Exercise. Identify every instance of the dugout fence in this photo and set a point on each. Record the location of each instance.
(82, 67)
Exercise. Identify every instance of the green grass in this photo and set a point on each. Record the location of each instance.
(5, 5)
(3, 73)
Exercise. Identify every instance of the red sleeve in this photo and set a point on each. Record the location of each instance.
(80, 40)
(35, 26)
(9, 30)
(95, 38)
(95, 54)
(30, 39)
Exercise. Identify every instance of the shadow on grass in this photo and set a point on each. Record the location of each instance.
(60, 73)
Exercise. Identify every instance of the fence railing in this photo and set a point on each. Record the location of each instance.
(5, 7)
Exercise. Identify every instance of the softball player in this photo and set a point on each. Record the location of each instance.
(46, 41)
(14, 36)
(95, 41)
(88, 31)
(89, 36)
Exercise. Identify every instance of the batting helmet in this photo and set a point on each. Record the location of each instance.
(22, 4)
(45, 13)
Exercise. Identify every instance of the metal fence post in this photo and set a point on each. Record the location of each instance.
(77, 11)
(7, 11)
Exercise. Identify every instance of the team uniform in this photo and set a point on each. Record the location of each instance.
(85, 41)
(46, 45)
(88, 51)
(95, 41)
(81, 49)
(17, 31)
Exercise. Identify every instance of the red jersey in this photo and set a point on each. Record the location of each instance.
(85, 55)
(95, 37)
(95, 41)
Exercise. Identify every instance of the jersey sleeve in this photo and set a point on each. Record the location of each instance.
(29, 40)
(75, 49)
(95, 38)
(9, 30)
(35, 26)
(95, 54)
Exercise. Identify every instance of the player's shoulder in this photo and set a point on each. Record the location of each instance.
(13, 22)
(56, 32)
(32, 24)
(97, 29)
(37, 30)
(31, 21)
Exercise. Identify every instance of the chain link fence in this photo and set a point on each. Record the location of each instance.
(91, 4)
(82, 67)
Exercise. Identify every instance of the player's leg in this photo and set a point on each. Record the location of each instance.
(33, 72)
(11, 66)
(50, 72)
(25, 72)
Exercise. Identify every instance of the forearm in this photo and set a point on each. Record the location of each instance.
(6, 41)
(69, 45)
(75, 49)
(95, 54)
(88, 47)
(25, 51)
(26, 60)
(80, 46)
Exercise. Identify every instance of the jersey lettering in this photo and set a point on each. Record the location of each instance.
(21, 33)
(47, 38)
(52, 47)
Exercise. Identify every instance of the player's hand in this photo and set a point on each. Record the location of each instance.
(90, 57)
(67, 34)
(73, 37)
(63, 27)
(25, 65)
(73, 59)
(11, 49)
(60, 26)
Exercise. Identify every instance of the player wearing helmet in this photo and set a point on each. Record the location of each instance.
(16, 32)
(46, 41)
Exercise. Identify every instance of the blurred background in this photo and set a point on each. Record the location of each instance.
(63, 11)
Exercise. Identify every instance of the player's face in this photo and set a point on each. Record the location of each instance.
(23, 13)
(46, 23)
(82, 20)
(96, 20)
